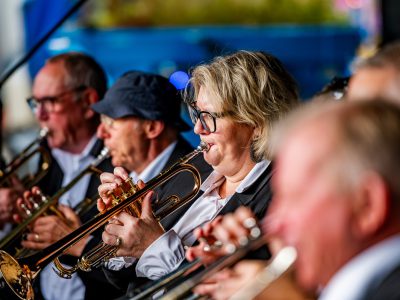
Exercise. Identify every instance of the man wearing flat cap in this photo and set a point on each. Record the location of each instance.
(141, 125)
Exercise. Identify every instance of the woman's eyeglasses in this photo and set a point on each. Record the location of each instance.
(207, 119)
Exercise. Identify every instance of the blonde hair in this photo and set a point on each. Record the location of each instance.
(253, 86)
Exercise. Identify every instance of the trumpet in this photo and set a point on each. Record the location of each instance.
(25, 155)
(49, 205)
(80, 210)
(180, 283)
(16, 275)
(279, 264)
(103, 252)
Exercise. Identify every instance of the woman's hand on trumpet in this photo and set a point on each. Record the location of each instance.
(222, 235)
(228, 233)
(208, 248)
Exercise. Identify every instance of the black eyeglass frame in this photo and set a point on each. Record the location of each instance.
(196, 114)
(34, 102)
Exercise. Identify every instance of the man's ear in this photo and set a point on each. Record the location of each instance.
(89, 97)
(372, 206)
(153, 128)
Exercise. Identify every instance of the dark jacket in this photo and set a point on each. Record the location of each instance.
(387, 289)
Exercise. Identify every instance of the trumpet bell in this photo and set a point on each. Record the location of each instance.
(27, 268)
(12, 275)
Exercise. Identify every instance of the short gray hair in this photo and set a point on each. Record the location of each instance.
(367, 136)
(82, 70)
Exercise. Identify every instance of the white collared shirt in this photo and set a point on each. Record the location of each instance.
(156, 166)
(366, 269)
(52, 286)
(166, 253)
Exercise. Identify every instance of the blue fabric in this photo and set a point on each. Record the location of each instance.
(39, 17)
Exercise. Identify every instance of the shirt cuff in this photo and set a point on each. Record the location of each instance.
(163, 256)
(118, 263)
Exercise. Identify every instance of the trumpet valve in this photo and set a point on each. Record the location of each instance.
(124, 191)
(26, 210)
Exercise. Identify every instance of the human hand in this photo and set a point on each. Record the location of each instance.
(109, 182)
(227, 282)
(236, 228)
(27, 203)
(8, 199)
(134, 235)
(47, 230)
(206, 249)
(230, 231)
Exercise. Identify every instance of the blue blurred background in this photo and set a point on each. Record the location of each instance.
(314, 54)
(315, 39)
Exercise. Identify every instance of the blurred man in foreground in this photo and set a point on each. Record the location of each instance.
(339, 204)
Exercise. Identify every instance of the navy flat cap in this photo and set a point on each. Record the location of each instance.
(144, 95)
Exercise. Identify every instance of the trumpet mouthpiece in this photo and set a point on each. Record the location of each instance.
(203, 146)
(44, 132)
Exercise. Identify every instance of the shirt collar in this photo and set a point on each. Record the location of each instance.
(156, 166)
(65, 159)
(367, 268)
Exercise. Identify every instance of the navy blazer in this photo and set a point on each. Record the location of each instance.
(388, 289)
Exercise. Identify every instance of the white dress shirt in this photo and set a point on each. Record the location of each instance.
(166, 253)
(52, 286)
(364, 271)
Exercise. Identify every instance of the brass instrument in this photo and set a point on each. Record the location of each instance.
(80, 210)
(25, 155)
(279, 264)
(102, 252)
(186, 277)
(148, 291)
(49, 205)
(17, 275)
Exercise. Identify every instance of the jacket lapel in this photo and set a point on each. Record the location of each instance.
(244, 199)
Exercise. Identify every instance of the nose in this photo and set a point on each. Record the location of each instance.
(102, 132)
(199, 129)
(41, 113)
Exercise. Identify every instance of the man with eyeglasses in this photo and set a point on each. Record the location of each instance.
(62, 94)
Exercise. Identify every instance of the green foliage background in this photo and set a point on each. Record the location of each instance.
(125, 13)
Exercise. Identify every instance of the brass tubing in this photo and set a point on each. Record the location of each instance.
(102, 253)
(50, 203)
(27, 268)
